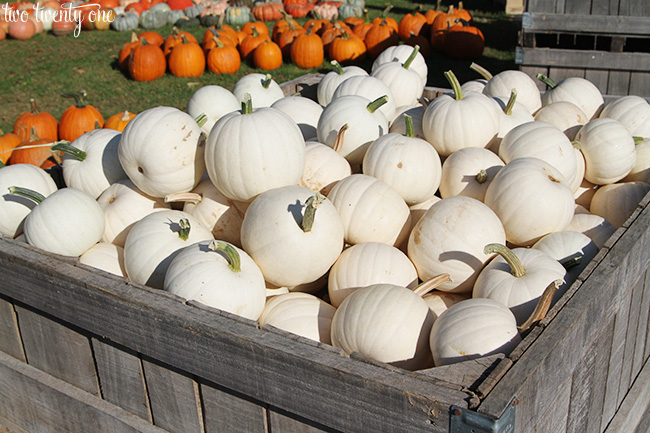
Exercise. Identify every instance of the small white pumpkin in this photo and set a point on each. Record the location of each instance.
(577, 90)
(330, 81)
(439, 301)
(213, 101)
(406, 85)
(262, 88)
(512, 115)
(304, 111)
(398, 124)
(418, 210)
(220, 275)
(501, 85)
(468, 172)
(371, 88)
(324, 166)
(105, 256)
(632, 111)
(597, 228)
(641, 170)
(567, 116)
(616, 202)
(400, 54)
(585, 193)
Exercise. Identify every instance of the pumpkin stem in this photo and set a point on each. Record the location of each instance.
(2, 164)
(201, 119)
(276, 292)
(189, 197)
(80, 96)
(337, 67)
(511, 102)
(234, 260)
(544, 79)
(410, 129)
(481, 70)
(134, 37)
(126, 116)
(571, 261)
(433, 283)
(247, 104)
(543, 304)
(339, 138)
(455, 85)
(35, 110)
(184, 232)
(27, 193)
(374, 105)
(516, 268)
(481, 177)
(67, 148)
(218, 42)
(410, 59)
(385, 11)
(311, 205)
(267, 81)
(638, 140)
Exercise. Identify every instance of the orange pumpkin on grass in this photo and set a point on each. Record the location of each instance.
(46, 125)
(78, 118)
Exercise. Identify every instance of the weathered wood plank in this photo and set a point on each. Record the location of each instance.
(174, 398)
(618, 83)
(225, 411)
(559, 74)
(533, 71)
(634, 406)
(284, 422)
(121, 377)
(40, 403)
(583, 22)
(467, 374)
(577, 7)
(599, 77)
(548, 6)
(600, 7)
(627, 373)
(10, 342)
(228, 350)
(560, 349)
(585, 59)
(642, 329)
(58, 349)
(640, 84)
(555, 419)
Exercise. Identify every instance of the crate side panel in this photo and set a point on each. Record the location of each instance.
(640, 348)
(577, 7)
(121, 377)
(40, 403)
(174, 398)
(628, 374)
(640, 84)
(532, 71)
(618, 83)
(284, 422)
(600, 7)
(58, 350)
(224, 410)
(599, 77)
(634, 8)
(548, 6)
(555, 418)
(10, 342)
(631, 413)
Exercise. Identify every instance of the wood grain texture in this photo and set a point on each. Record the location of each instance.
(58, 349)
(640, 84)
(225, 411)
(583, 22)
(174, 398)
(555, 418)
(634, 407)
(10, 342)
(121, 377)
(586, 59)
(40, 403)
(618, 83)
(600, 79)
(547, 6)
(284, 422)
(627, 372)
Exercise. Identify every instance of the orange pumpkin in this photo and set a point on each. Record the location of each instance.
(46, 125)
(176, 38)
(307, 50)
(379, 37)
(125, 52)
(30, 152)
(79, 118)
(147, 62)
(22, 29)
(464, 42)
(258, 26)
(212, 42)
(268, 11)
(119, 121)
(267, 56)
(390, 21)
(222, 33)
(346, 48)
(8, 142)
(411, 23)
(250, 42)
(223, 59)
(286, 38)
(153, 38)
(187, 59)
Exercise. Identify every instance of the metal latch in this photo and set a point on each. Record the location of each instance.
(463, 420)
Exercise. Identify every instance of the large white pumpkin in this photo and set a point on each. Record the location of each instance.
(262, 88)
(632, 111)
(577, 90)
(304, 111)
(330, 81)
(501, 85)
(105, 256)
(616, 202)
(468, 172)
(213, 101)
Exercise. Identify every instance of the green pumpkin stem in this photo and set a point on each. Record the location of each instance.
(67, 148)
(410, 129)
(516, 268)
(337, 67)
(27, 193)
(455, 85)
(234, 260)
(544, 79)
(542, 307)
(311, 205)
(184, 232)
(432, 284)
(247, 104)
(2, 164)
(481, 177)
(571, 261)
(481, 70)
(638, 140)
(410, 59)
(201, 119)
(511, 102)
(218, 42)
(374, 105)
(80, 96)
(267, 81)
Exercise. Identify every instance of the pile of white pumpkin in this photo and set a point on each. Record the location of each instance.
(284, 198)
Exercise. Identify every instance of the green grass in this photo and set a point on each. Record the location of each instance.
(46, 66)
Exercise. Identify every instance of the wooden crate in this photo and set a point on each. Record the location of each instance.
(82, 350)
(606, 42)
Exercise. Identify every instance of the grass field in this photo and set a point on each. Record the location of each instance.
(46, 66)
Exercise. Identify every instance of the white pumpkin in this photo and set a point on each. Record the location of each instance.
(386, 322)
(418, 210)
(398, 124)
(597, 228)
(324, 166)
(405, 84)
(293, 234)
(501, 85)
(584, 193)
(155, 240)
(301, 314)
(400, 54)
(472, 329)
(124, 205)
(90, 163)
(67, 222)
(105, 256)
(213, 101)
(371, 88)
(304, 111)
(531, 198)
(609, 150)
(365, 124)
(251, 152)
(262, 88)
(641, 170)
(632, 111)
(450, 238)
(14, 209)
(577, 90)
(161, 150)
(512, 115)
(567, 116)
(371, 210)
(369, 263)
(330, 81)
(439, 301)
(468, 172)
(220, 275)
(410, 165)
(616, 202)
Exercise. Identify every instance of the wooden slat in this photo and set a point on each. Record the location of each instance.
(228, 350)
(174, 397)
(533, 71)
(574, 7)
(599, 78)
(555, 418)
(640, 84)
(634, 407)
(634, 7)
(58, 350)
(585, 59)
(547, 6)
(40, 403)
(619, 83)
(283, 422)
(627, 373)
(582, 22)
(640, 349)
(121, 377)
(560, 349)
(9, 335)
(559, 74)
(225, 411)
(601, 7)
